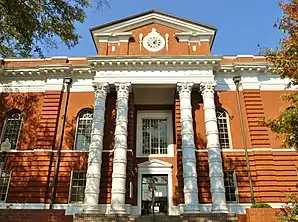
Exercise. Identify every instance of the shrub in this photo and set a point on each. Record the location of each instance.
(260, 205)
(289, 212)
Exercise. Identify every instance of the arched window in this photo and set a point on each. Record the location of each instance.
(223, 128)
(84, 128)
(12, 127)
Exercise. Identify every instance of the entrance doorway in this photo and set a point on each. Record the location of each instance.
(157, 200)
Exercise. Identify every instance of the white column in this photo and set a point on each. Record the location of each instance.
(95, 150)
(188, 150)
(214, 151)
(120, 150)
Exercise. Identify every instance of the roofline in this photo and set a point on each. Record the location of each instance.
(149, 12)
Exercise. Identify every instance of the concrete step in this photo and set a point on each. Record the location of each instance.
(158, 218)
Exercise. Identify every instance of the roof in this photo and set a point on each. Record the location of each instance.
(149, 12)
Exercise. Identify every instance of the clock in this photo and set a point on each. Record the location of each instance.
(153, 42)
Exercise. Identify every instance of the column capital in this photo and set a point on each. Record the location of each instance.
(207, 87)
(184, 87)
(123, 87)
(101, 89)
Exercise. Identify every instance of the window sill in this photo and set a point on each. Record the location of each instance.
(154, 155)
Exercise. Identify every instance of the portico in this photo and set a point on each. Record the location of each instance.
(183, 81)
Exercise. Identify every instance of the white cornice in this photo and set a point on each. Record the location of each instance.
(64, 69)
(179, 61)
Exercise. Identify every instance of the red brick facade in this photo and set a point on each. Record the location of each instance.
(274, 170)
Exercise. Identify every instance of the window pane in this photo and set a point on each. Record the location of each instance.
(4, 183)
(78, 185)
(223, 128)
(84, 129)
(12, 128)
(230, 186)
(154, 136)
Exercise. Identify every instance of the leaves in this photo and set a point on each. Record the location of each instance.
(285, 59)
(285, 62)
(29, 26)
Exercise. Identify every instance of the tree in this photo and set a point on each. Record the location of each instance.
(285, 63)
(29, 26)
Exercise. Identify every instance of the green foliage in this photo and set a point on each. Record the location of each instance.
(289, 212)
(286, 125)
(28, 27)
(284, 61)
(260, 205)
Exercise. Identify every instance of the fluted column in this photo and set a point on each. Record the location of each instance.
(214, 153)
(95, 150)
(120, 150)
(188, 150)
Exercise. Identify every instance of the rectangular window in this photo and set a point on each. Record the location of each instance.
(4, 184)
(154, 133)
(230, 185)
(78, 184)
(154, 136)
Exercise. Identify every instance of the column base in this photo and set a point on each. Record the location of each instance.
(93, 209)
(117, 210)
(220, 209)
(191, 210)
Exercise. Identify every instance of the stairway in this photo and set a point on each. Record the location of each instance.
(204, 217)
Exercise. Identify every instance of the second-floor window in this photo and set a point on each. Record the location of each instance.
(223, 128)
(154, 133)
(84, 129)
(12, 128)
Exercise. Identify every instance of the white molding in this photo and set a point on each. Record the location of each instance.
(154, 18)
(74, 209)
(156, 167)
(155, 114)
(249, 150)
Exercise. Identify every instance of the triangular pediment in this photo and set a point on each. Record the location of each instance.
(154, 163)
(126, 26)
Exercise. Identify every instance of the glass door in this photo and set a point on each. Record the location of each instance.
(154, 193)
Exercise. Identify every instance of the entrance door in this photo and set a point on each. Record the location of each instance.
(160, 194)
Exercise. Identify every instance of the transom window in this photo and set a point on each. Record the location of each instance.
(4, 184)
(84, 129)
(154, 133)
(12, 127)
(154, 136)
(223, 128)
(230, 185)
(78, 185)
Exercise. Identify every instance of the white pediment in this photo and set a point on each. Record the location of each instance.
(154, 163)
(128, 24)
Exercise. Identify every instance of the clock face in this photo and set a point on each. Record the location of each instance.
(153, 43)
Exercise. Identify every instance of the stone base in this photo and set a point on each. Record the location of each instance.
(207, 217)
(91, 210)
(117, 210)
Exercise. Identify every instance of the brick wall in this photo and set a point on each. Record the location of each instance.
(261, 214)
(12, 215)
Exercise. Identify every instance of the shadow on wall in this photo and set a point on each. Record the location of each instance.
(32, 172)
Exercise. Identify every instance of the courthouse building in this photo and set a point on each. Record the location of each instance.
(153, 107)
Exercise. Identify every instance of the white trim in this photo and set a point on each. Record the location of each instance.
(74, 209)
(155, 17)
(155, 167)
(249, 150)
(155, 114)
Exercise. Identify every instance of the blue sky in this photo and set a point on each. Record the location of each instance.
(241, 24)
